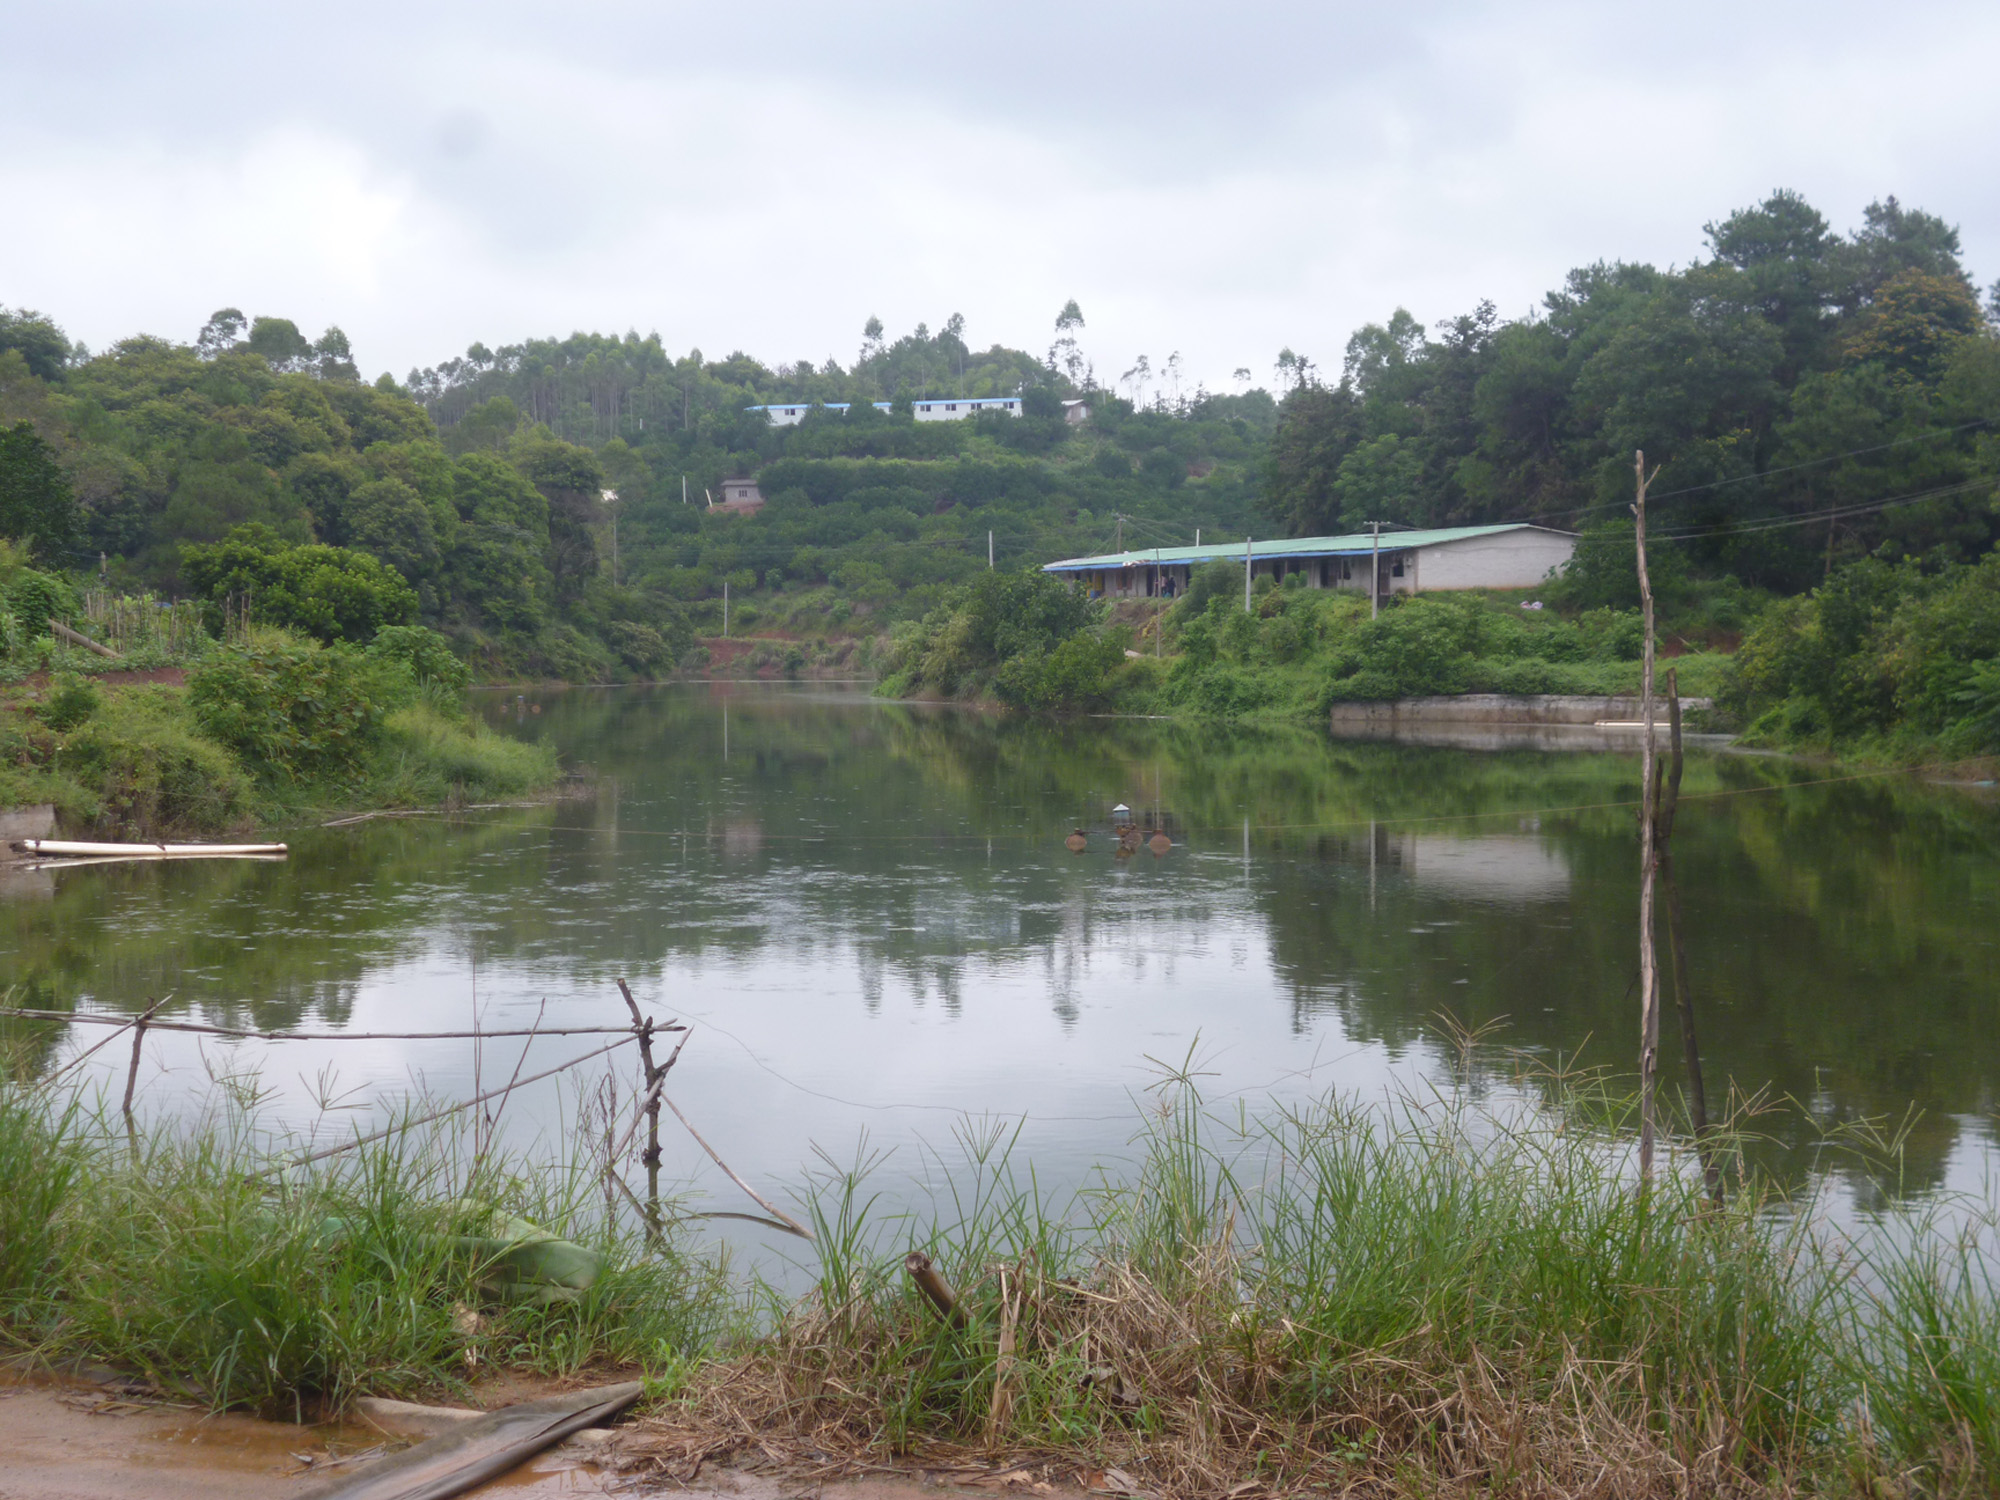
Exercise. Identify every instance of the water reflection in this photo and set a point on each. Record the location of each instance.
(871, 909)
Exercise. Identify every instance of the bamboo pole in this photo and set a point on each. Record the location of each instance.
(937, 1291)
(644, 1026)
(76, 638)
(325, 1036)
(1649, 962)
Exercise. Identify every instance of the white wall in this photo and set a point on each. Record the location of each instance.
(959, 408)
(1505, 560)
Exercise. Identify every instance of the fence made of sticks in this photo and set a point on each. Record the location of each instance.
(640, 1031)
(130, 622)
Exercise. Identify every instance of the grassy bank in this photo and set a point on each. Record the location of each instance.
(1417, 1299)
(259, 732)
(187, 1257)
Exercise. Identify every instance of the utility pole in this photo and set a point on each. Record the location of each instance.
(1375, 572)
(1246, 575)
(989, 552)
(725, 609)
(1119, 545)
(684, 489)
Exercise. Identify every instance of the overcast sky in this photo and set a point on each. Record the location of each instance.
(1219, 179)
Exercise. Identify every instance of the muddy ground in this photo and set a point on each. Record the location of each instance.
(77, 1439)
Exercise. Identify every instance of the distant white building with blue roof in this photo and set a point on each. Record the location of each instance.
(1512, 556)
(940, 409)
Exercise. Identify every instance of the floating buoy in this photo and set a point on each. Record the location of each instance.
(1076, 843)
(1159, 843)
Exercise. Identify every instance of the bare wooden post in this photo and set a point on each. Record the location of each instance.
(1667, 806)
(132, 1074)
(643, 1027)
(1649, 962)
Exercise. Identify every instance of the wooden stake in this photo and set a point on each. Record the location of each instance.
(1649, 962)
(643, 1025)
(1667, 806)
(132, 1073)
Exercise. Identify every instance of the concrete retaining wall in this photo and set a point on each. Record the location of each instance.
(1500, 708)
(36, 822)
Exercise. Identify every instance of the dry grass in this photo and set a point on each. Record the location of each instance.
(1312, 1302)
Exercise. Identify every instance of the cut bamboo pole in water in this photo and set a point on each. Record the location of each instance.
(1649, 962)
(937, 1291)
(72, 848)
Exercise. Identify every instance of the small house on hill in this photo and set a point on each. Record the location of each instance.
(741, 497)
(1513, 556)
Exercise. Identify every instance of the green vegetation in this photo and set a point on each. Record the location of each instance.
(1886, 660)
(185, 1257)
(1811, 400)
(268, 727)
(1028, 641)
(1421, 1298)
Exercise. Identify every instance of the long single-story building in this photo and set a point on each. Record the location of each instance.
(938, 409)
(1514, 556)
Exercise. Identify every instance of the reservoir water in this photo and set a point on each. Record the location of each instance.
(868, 914)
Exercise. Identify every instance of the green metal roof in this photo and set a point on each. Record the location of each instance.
(1360, 543)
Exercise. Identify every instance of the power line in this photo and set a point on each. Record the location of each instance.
(1811, 463)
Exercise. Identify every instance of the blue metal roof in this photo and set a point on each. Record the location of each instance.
(1356, 544)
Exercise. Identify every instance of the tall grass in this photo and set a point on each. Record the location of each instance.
(1424, 1295)
(1424, 1298)
(181, 1255)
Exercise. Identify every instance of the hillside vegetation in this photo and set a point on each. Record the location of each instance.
(1819, 408)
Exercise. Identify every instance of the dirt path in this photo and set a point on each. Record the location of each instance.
(70, 1440)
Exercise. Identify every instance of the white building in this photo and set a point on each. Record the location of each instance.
(1514, 556)
(940, 409)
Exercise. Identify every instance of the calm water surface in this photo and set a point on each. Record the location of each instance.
(867, 912)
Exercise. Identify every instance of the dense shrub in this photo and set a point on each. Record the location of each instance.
(982, 627)
(331, 593)
(1879, 649)
(293, 709)
(427, 659)
(147, 772)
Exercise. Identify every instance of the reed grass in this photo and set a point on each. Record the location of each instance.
(1435, 1294)
(1422, 1298)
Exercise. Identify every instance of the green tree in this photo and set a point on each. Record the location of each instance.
(332, 593)
(35, 497)
(388, 519)
(39, 342)
(281, 344)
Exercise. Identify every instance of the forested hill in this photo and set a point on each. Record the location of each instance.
(482, 483)
(1810, 398)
